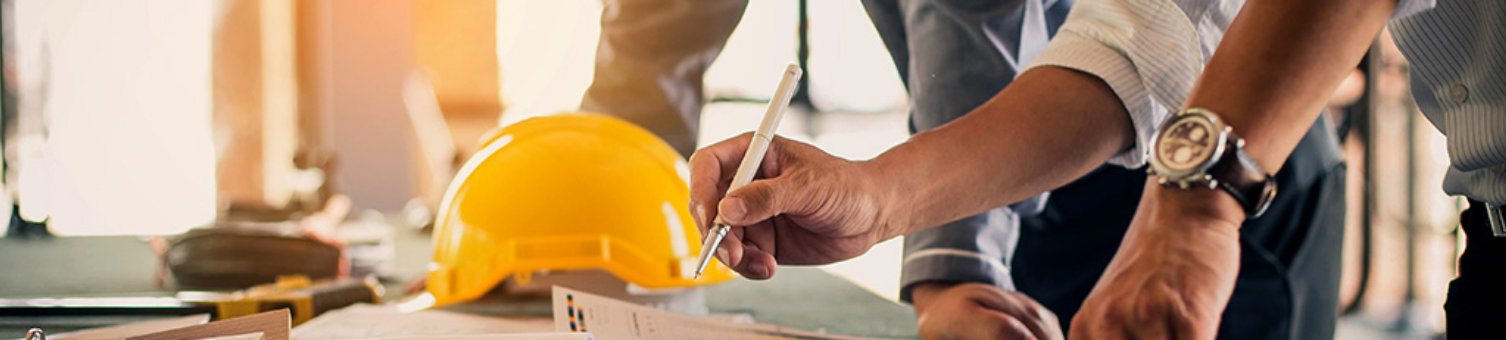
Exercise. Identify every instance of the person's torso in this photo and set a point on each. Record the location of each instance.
(1457, 55)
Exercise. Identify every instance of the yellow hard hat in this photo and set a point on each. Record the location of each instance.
(567, 192)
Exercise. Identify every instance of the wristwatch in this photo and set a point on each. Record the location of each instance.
(1193, 148)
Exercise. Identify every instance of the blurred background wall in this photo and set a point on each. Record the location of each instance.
(115, 100)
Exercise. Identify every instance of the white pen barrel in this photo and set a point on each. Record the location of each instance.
(759, 145)
(756, 149)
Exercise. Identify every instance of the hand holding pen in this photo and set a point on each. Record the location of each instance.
(807, 207)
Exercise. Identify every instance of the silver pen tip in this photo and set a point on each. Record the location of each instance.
(708, 247)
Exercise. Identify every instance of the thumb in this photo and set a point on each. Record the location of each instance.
(763, 199)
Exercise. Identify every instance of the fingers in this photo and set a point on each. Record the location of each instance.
(1149, 316)
(1098, 320)
(764, 199)
(745, 250)
(985, 324)
(730, 252)
(1013, 328)
(1041, 322)
(781, 192)
(750, 247)
(757, 263)
(982, 311)
(977, 323)
(711, 170)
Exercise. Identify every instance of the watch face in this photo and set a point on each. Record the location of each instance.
(1187, 145)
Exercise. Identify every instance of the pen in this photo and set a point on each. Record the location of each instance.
(753, 158)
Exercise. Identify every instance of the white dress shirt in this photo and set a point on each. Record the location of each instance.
(1150, 52)
(1458, 56)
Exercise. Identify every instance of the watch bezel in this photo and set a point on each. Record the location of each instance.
(1197, 173)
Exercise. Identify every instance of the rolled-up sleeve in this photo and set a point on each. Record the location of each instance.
(1085, 55)
(1150, 52)
(1147, 51)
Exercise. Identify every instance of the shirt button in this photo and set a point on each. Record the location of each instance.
(1458, 93)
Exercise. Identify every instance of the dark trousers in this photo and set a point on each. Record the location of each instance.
(1476, 307)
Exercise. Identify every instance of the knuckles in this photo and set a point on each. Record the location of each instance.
(972, 326)
(956, 315)
(1121, 316)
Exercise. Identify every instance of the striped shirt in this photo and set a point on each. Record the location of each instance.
(1150, 52)
(1458, 57)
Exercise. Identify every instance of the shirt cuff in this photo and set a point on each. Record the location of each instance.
(1072, 51)
(951, 265)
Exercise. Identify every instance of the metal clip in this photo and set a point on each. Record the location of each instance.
(1497, 222)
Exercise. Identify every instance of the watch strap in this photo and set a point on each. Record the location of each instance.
(1240, 176)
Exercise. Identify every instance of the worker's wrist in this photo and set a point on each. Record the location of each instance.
(884, 185)
(1197, 203)
(923, 294)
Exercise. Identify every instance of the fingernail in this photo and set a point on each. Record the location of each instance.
(700, 214)
(760, 271)
(734, 209)
(721, 254)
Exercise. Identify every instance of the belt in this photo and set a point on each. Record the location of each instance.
(1497, 221)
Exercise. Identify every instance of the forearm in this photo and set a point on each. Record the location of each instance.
(1278, 64)
(1268, 79)
(1050, 126)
